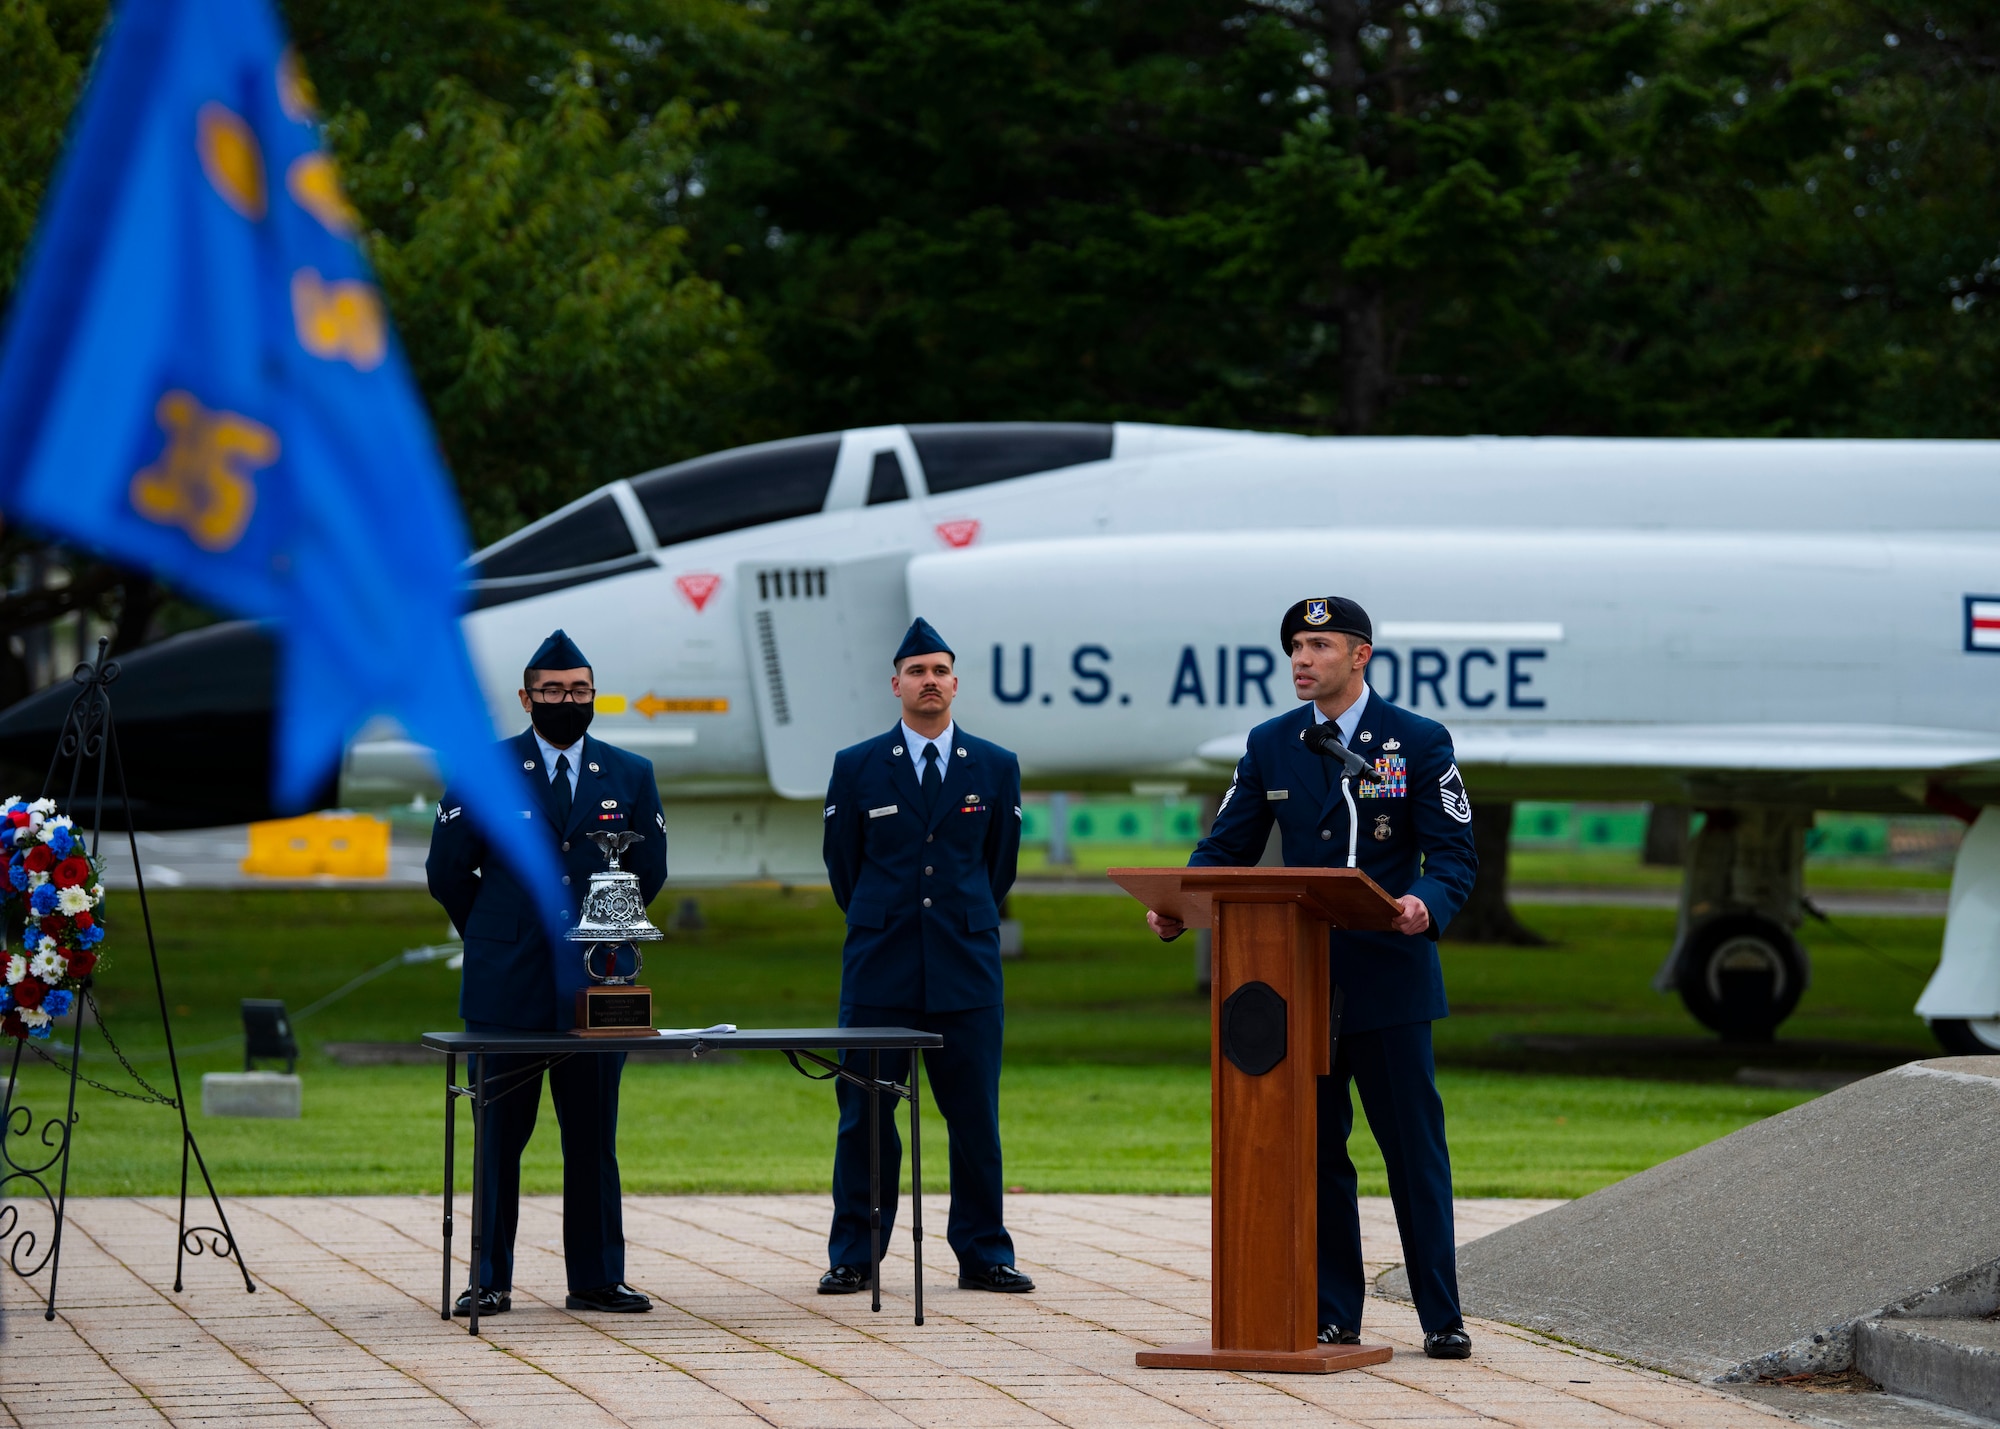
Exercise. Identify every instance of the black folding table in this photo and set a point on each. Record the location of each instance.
(550, 1048)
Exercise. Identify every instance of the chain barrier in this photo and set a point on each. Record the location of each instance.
(153, 1093)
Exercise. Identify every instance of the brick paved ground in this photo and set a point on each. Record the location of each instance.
(344, 1330)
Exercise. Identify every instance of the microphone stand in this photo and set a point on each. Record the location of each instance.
(1324, 739)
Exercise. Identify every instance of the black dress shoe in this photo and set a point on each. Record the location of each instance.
(1335, 1335)
(491, 1302)
(1000, 1279)
(610, 1299)
(843, 1280)
(1450, 1343)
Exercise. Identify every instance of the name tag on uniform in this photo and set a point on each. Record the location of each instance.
(1275, 794)
(885, 809)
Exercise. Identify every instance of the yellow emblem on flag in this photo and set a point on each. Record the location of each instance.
(341, 321)
(295, 92)
(231, 158)
(314, 182)
(202, 480)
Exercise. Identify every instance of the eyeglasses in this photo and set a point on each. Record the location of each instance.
(556, 694)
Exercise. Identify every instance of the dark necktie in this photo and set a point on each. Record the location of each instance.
(933, 781)
(562, 792)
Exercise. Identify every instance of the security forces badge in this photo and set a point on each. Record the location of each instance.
(1317, 612)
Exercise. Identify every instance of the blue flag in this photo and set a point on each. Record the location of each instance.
(200, 380)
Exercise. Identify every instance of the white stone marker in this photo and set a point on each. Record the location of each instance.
(276, 1094)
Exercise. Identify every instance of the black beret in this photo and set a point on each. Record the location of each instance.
(922, 640)
(558, 652)
(1325, 612)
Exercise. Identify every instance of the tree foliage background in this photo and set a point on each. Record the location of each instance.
(615, 233)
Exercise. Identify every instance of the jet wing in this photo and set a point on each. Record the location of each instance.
(1768, 748)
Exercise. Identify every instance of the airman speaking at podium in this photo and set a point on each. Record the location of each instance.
(1411, 831)
(923, 826)
(514, 980)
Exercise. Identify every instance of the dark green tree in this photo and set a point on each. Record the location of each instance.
(537, 273)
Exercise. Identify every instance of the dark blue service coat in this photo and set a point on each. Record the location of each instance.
(922, 892)
(1415, 837)
(512, 977)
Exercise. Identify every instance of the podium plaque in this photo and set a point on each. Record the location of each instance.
(1270, 1041)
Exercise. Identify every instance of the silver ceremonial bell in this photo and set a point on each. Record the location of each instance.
(614, 914)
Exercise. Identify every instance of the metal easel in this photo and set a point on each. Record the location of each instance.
(88, 737)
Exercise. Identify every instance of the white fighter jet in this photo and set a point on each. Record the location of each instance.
(1754, 629)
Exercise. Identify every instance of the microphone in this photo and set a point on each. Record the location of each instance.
(1324, 739)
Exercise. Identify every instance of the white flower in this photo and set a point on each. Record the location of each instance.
(46, 945)
(62, 821)
(72, 901)
(36, 880)
(42, 806)
(33, 1016)
(17, 968)
(49, 966)
(96, 894)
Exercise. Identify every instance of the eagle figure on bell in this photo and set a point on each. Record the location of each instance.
(613, 917)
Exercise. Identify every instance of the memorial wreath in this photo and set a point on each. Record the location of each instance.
(52, 891)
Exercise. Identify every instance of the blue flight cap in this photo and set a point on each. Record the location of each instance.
(922, 640)
(558, 652)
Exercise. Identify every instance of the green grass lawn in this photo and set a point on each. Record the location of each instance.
(1106, 1083)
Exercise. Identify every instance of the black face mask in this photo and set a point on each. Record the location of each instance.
(560, 724)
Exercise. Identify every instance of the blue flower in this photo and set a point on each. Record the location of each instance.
(6, 998)
(17, 872)
(45, 899)
(57, 1003)
(59, 843)
(90, 937)
(41, 1033)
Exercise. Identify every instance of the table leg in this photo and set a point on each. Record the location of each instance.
(917, 1171)
(450, 1130)
(874, 1182)
(479, 1228)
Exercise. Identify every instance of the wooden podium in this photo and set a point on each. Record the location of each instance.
(1270, 1039)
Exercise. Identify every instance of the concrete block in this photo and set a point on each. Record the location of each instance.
(1953, 1361)
(272, 1094)
(1755, 1256)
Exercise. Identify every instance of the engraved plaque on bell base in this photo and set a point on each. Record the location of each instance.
(613, 1011)
(613, 918)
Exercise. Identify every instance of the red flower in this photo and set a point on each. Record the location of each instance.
(39, 859)
(29, 991)
(70, 872)
(81, 961)
(19, 818)
(84, 920)
(53, 925)
(12, 1026)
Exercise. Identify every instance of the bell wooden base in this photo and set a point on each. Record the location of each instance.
(613, 1010)
(1320, 1359)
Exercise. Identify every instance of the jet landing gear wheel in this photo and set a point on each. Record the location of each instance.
(1963, 1037)
(1742, 975)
